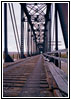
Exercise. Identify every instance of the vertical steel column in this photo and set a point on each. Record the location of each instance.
(34, 47)
(46, 39)
(46, 25)
(5, 29)
(22, 33)
(28, 39)
(50, 31)
(56, 34)
(56, 27)
(48, 35)
(7, 58)
(31, 42)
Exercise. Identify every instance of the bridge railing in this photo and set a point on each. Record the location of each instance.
(57, 56)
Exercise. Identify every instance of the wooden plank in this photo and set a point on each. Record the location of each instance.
(58, 51)
(64, 59)
(57, 58)
(60, 82)
(6, 64)
(61, 73)
(18, 63)
(34, 88)
(57, 93)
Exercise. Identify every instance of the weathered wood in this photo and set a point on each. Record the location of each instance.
(57, 58)
(52, 84)
(14, 78)
(60, 80)
(31, 83)
(57, 93)
(9, 66)
(61, 73)
(58, 51)
(26, 80)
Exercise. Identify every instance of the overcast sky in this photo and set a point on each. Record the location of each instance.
(11, 39)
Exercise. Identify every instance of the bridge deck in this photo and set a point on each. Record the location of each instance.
(29, 78)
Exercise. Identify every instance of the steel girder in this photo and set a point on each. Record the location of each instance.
(29, 18)
(7, 57)
(37, 22)
(46, 22)
(63, 15)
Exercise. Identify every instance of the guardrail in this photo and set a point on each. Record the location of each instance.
(55, 56)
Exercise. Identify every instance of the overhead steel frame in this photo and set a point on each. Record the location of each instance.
(7, 57)
(29, 19)
(46, 21)
(37, 19)
(64, 28)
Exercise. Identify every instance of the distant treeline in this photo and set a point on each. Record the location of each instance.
(15, 55)
(64, 55)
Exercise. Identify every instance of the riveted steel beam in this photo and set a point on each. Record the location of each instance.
(29, 18)
(46, 22)
(63, 15)
(7, 57)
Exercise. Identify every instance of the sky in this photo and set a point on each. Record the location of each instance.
(11, 39)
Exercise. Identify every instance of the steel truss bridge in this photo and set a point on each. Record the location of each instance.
(39, 73)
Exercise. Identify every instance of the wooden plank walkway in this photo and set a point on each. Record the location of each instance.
(29, 78)
(59, 76)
